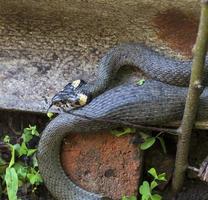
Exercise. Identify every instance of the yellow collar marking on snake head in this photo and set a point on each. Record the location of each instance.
(82, 99)
(76, 83)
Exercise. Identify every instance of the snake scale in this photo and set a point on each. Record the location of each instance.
(155, 102)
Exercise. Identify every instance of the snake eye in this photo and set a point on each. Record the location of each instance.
(58, 104)
(80, 100)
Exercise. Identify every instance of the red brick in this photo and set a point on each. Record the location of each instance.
(103, 163)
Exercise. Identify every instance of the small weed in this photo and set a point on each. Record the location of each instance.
(50, 115)
(21, 170)
(123, 132)
(147, 189)
(129, 198)
(149, 141)
(140, 82)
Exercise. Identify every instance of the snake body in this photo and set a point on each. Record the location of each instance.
(152, 103)
(153, 64)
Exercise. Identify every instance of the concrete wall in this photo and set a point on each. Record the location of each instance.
(45, 44)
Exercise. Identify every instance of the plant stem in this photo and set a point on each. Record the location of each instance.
(143, 127)
(201, 125)
(195, 88)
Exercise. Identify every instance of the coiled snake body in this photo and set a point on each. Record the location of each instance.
(152, 103)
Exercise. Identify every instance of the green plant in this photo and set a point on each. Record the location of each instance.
(140, 82)
(22, 168)
(129, 198)
(150, 140)
(147, 189)
(123, 131)
(50, 115)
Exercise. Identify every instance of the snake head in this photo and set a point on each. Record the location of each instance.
(71, 96)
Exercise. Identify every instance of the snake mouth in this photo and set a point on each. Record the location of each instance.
(70, 96)
(75, 101)
(65, 100)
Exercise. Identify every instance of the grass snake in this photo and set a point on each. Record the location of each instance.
(156, 102)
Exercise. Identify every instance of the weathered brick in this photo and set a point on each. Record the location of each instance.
(103, 163)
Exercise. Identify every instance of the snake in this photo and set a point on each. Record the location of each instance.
(97, 107)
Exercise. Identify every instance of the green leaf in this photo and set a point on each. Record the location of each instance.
(26, 136)
(123, 132)
(148, 143)
(16, 147)
(34, 177)
(162, 142)
(50, 115)
(156, 197)
(153, 172)
(145, 198)
(6, 139)
(153, 185)
(23, 149)
(31, 152)
(145, 190)
(34, 161)
(161, 177)
(12, 161)
(28, 133)
(11, 183)
(21, 170)
(132, 198)
(34, 130)
(140, 82)
(129, 198)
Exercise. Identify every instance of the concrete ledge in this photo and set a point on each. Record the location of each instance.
(45, 44)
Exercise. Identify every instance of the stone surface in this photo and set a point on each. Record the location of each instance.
(169, 24)
(103, 163)
(45, 44)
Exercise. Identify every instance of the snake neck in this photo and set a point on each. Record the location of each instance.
(96, 87)
(151, 63)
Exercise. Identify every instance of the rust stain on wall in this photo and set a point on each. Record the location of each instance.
(103, 163)
(177, 29)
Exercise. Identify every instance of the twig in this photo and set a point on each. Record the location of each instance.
(192, 100)
(193, 169)
(201, 125)
(120, 122)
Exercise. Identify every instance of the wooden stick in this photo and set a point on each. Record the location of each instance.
(202, 125)
(192, 100)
